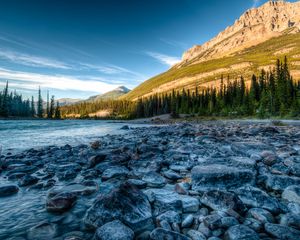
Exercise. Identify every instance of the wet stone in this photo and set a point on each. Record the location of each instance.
(7, 190)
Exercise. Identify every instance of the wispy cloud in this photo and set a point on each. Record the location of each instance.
(255, 3)
(164, 59)
(31, 60)
(174, 43)
(30, 80)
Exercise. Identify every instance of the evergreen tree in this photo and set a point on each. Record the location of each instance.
(40, 104)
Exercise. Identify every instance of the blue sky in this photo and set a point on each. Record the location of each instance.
(80, 48)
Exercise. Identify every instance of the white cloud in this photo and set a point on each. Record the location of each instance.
(29, 80)
(164, 59)
(30, 60)
(255, 3)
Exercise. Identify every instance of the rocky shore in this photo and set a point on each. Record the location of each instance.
(185, 181)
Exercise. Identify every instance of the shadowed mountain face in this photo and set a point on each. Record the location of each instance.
(254, 42)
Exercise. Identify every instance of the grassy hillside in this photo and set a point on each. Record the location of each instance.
(245, 62)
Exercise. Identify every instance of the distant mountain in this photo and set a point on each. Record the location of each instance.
(254, 42)
(114, 94)
(67, 101)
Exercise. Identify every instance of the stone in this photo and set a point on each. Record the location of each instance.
(114, 230)
(260, 214)
(187, 221)
(28, 180)
(255, 197)
(222, 201)
(114, 172)
(170, 217)
(269, 158)
(182, 188)
(125, 203)
(240, 232)
(279, 182)
(172, 175)
(290, 220)
(292, 194)
(153, 179)
(42, 231)
(254, 224)
(7, 190)
(138, 183)
(282, 232)
(215, 177)
(60, 202)
(196, 235)
(163, 234)
(212, 221)
(165, 225)
(95, 160)
(95, 145)
(227, 222)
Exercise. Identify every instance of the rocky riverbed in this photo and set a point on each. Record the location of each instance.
(186, 181)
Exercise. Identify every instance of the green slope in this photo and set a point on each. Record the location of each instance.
(259, 55)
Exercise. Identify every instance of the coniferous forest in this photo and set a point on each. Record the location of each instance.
(12, 105)
(270, 94)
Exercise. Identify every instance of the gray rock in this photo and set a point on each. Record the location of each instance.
(196, 235)
(153, 179)
(28, 180)
(292, 194)
(127, 204)
(182, 188)
(212, 221)
(138, 183)
(255, 197)
(170, 217)
(172, 175)
(60, 202)
(279, 182)
(240, 232)
(95, 160)
(214, 177)
(114, 230)
(222, 200)
(254, 224)
(7, 190)
(165, 225)
(114, 172)
(227, 222)
(42, 231)
(187, 221)
(290, 220)
(260, 214)
(282, 232)
(162, 234)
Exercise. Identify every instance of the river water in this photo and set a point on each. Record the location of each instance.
(16, 135)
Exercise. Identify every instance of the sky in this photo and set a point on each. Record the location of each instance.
(79, 48)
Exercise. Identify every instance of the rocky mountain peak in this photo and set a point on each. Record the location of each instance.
(256, 25)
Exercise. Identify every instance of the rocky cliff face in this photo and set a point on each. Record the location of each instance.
(256, 25)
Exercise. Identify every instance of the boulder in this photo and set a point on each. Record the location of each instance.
(240, 232)
(282, 232)
(292, 194)
(163, 234)
(215, 177)
(7, 190)
(114, 230)
(125, 203)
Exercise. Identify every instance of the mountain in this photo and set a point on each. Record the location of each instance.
(114, 94)
(67, 101)
(254, 42)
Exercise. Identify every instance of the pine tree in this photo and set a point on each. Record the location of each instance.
(5, 102)
(40, 104)
(57, 114)
(32, 107)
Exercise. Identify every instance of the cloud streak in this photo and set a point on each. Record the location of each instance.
(30, 80)
(164, 59)
(30, 60)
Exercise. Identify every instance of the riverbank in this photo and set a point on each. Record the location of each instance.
(217, 180)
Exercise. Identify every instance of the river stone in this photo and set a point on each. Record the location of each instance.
(42, 231)
(163, 234)
(172, 175)
(75, 188)
(282, 232)
(290, 220)
(255, 197)
(95, 160)
(125, 203)
(153, 179)
(280, 182)
(196, 235)
(28, 180)
(260, 214)
(240, 232)
(114, 230)
(170, 217)
(292, 194)
(8, 190)
(214, 177)
(60, 202)
(114, 172)
(187, 221)
(222, 201)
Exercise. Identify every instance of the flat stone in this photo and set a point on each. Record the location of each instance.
(114, 172)
(7, 190)
(125, 203)
(282, 232)
(114, 230)
(170, 217)
(60, 202)
(215, 177)
(163, 234)
(292, 194)
(153, 179)
(28, 180)
(280, 182)
(42, 231)
(182, 188)
(255, 197)
(196, 235)
(95, 160)
(290, 220)
(260, 214)
(241, 232)
(172, 175)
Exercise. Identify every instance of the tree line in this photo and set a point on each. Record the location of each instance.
(12, 104)
(270, 94)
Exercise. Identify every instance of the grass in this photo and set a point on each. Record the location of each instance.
(259, 55)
